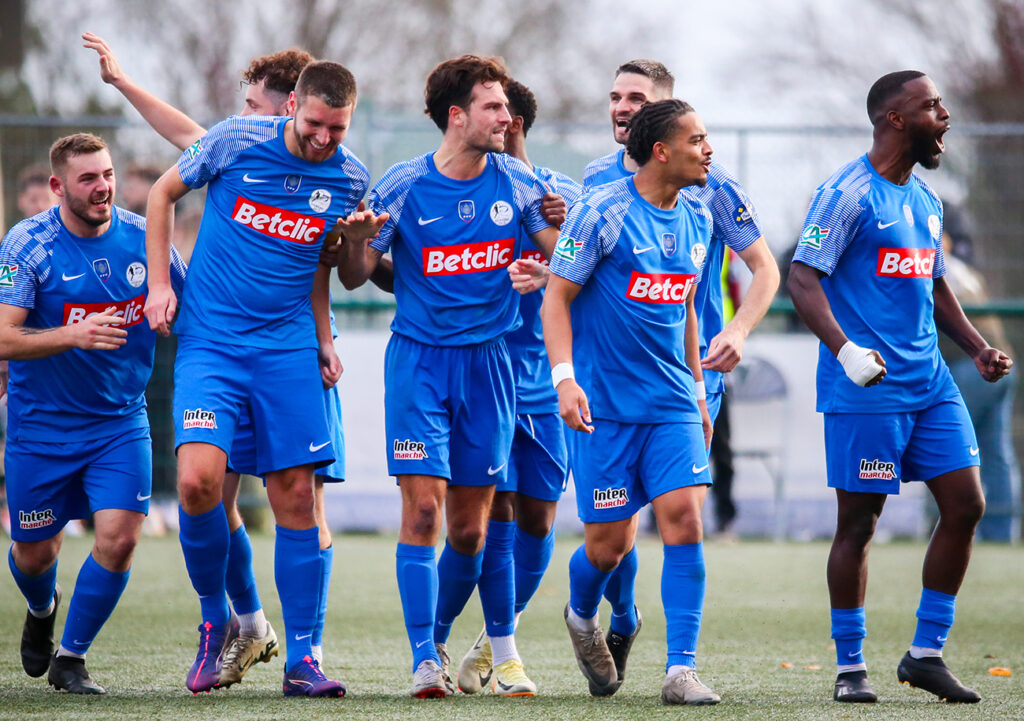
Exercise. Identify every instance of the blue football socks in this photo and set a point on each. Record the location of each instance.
(240, 580)
(327, 559)
(934, 618)
(297, 575)
(621, 593)
(497, 582)
(457, 576)
(205, 540)
(417, 586)
(37, 590)
(682, 595)
(531, 556)
(97, 592)
(849, 631)
(586, 584)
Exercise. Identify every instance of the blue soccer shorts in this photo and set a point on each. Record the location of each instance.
(49, 484)
(280, 389)
(448, 410)
(873, 452)
(620, 467)
(538, 466)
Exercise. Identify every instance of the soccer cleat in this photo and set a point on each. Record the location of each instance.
(37, 640)
(510, 679)
(619, 647)
(428, 681)
(68, 673)
(853, 687)
(306, 679)
(475, 669)
(931, 674)
(243, 652)
(446, 665)
(683, 687)
(593, 657)
(205, 672)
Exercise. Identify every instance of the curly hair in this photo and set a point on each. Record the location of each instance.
(452, 82)
(280, 70)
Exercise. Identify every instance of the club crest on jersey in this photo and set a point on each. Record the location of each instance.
(194, 149)
(102, 268)
(877, 470)
(292, 183)
(409, 450)
(501, 213)
(743, 215)
(610, 498)
(566, 248)
(467, 210)
(668, 243)
(136, 274)
(698, 254)
(908, 213)
(7, 273)
(320, 200)
(27, 520)
(199, 418)
(813, 235)
(934, 226)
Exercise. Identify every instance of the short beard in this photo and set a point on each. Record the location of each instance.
(81, 209)
(922, 154)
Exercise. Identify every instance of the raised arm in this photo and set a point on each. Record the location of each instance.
(95, 332)
(161, 301)
(992, 363)
(173, 125)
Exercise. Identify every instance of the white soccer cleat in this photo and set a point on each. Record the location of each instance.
(428, 681)
(243, 652)
(475, 669)
(683, 687)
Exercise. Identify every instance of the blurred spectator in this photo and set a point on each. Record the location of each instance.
(34, 194)
(134, 185)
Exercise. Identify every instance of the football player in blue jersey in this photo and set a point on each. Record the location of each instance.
(276, 186)
(867, 278)
(736, 225)
(453, 220)
(621, 331)
(71, 324)
(520, 536)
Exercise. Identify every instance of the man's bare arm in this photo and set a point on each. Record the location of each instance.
(18, 342)
(992, 363)
(161, 301)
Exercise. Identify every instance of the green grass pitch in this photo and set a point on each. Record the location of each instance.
(766, 605)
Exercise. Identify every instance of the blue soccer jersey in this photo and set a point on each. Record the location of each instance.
(534, 392)
(451, 242)
(735, 225)
(880, 246)
(636, 264)
(62, 279)
(266, 215)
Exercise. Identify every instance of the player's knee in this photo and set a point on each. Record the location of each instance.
(114, 552)
(467, 538)
(856, 529)
(34, 559)
(966, 513)
(196, 494)
(422, 517)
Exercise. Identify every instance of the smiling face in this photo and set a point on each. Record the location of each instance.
(86, 190)
(926, 121)
(629, 92)
(484, 122)
(318, 129)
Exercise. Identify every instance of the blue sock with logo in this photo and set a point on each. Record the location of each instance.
(97, 591)
(531, 556)
(297, 575)
(682, 595)
(586, 584)
(205, 540)
(240, 580)
(457, 576)
(849, 629)
(621, 594)
(417, 587)
(934, 618)
(327, 558)
(497, 582)
(37, 590)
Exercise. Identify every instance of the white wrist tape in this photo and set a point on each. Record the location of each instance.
(561, 372)
(700, 390)
(859, 363)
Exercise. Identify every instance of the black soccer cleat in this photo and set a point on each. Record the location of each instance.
(931, 674)
(37, 640)
(619, 646)
(853, 687)
(69, 674)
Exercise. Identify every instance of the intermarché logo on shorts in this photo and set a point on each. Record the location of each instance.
(610, 498)
(409, 450)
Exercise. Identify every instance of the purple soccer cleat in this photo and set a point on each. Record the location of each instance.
(205, 672)
(306, 679)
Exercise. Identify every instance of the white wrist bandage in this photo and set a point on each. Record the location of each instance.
(700, 390)
(561, 372)
(859, 363)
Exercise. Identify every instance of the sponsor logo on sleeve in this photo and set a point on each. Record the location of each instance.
(566, 248)
(659, 287)
(7, 273)
(468, 257)
(813, 235)
(905, 262)
(876, 470)
(278, 223)
(199, 418)
(320, 200)
(130, 310)
(409, 450)
(743, 215)
(501, 213)
(136, 274)
(467, 210)
(610, 498)
(194, 149)
(28, 520)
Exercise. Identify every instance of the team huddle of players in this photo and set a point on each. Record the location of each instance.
(540, 326)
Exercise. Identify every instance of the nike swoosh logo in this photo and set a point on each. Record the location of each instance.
(247, 179)
(140, 497)
(698, 470)
(492, 471)
(883, 226)
(974, 451)
(853, 654)
(418, 645)
(941, 639)
(314, 449)
(65, 276)
(428, 222)
(299, 638)
(638, 251)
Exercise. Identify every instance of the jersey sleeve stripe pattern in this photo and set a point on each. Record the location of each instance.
(204, 160)
(526, 190)
(600, 215)
(354, 168)
(596, 166)
(26, 247)
(724, 196)
(388, 196)
(569, 189)
(837, 205)
(939, 268)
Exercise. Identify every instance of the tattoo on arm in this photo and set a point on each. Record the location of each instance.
(35, 331)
